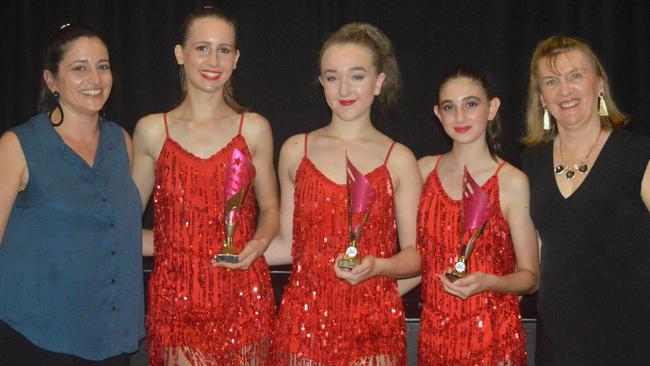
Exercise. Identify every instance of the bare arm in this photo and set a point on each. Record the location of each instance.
(279, 252)
(257, 132)
(426, 165)
(147, 143)
(13, 178)
(515, 201)
(407, 185)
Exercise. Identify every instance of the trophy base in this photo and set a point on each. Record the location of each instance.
(228, 258)
(347, 264)
(453, 277)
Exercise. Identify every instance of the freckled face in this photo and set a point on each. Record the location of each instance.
(570, 89)
(208, 55)
(350, 81)
(464, 110)
(84, 79)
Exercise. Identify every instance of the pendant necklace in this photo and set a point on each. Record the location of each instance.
(582, 167)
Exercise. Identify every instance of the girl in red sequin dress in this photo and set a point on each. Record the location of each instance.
(474, 320)
(201, 312)
(330, 316)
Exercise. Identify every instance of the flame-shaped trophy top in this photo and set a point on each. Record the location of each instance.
(477, 207)
(361, 196)
(239, 178)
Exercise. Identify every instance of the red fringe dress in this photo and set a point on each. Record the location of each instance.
(486, 328)
(214, 316)
(324, 320)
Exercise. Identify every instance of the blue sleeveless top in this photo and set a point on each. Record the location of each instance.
(71, 257)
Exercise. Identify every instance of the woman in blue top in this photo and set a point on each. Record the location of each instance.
(70, 265)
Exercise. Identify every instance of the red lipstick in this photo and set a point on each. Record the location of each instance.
(347, 102)
(462, 129)
(204, 74)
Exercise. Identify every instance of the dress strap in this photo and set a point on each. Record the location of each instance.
(166, 128)
(306, 136)
(435, 167)
(390, 149)
(241, 123)
(496, 172)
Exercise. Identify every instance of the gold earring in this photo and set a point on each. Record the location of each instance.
(547, 120)
(602, 106)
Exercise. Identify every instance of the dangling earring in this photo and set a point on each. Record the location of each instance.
(547, 120)
(57, 105)
(602, 106)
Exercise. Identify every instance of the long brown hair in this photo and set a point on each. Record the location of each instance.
(369, 36)
(550, 49)
(209, 11)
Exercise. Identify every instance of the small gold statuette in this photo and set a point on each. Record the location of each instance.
(477, 210)
(239, 180)
(361, 196)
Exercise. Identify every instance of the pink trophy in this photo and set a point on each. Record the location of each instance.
(361, 196)
(477, 210)
(239, 180)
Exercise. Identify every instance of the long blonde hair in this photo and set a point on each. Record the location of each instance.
(550, 49)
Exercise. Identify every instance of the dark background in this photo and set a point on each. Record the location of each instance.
(279, 42)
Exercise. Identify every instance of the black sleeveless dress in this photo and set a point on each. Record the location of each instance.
(594, 297)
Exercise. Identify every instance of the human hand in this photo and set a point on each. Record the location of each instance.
(365, 270)
(466, 286)
(245, 258)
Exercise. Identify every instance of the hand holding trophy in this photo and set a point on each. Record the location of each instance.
(239, 180)
(361, 196)
(477, 209)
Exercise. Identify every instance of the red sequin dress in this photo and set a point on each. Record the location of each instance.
(324, 320)
(486, 328)
(212, 316)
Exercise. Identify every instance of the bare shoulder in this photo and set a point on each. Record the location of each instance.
(401, 155)
(12, 157)
(10, 147)
(427, 163)
(294, 147)
(254, 121)
(513, 183)
(150, 127)
(9, 142)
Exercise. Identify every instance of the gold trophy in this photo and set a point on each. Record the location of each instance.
(239, 180)
(361, 196)
(477, 210)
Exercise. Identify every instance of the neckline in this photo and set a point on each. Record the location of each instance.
(211, 157)
(587, 177)
(100, 143)
(332, 182)
(447, 196)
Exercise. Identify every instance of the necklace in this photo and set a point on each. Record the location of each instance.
(582, 167)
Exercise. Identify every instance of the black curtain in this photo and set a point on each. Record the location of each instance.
(280, 41)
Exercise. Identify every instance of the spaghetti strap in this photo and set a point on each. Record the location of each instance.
(390, 149)
(496, 172)
(166, 128)
(241, 123)
(306, 136)
(435, 167)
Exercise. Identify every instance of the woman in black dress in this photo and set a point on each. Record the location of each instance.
(590, 201)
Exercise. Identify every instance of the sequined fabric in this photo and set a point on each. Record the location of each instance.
(324, 320)
(211, 316)
(485, 329)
